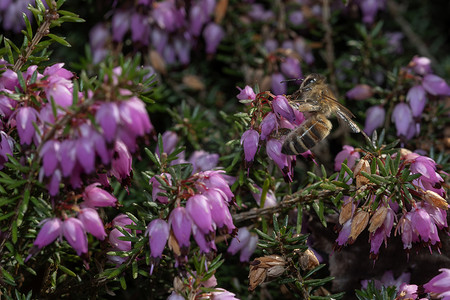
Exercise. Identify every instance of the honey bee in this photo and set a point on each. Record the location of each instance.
(316, 98)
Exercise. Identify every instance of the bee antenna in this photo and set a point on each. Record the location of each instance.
(293, 79)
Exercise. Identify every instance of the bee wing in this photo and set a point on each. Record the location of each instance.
(344, 114)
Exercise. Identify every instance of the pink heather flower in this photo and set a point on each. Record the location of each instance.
(58, 71)
(421, 65)
(123, 220)
(199, 237)
(417, 100)
(439, 284)
(424, 226)
(121, 164)
(169, 141)
(108, 117)
(394, 41)
(430, 179)
(238, 242)
(98, 36)
(374, 119)
(291, 68)
(438, 215)
(273, 148)
(344, 233)
(197, 18)
(271, 45)
(199, 210)
(92, 222)
(296, 18)
(258, 13)
(94, 196)
(270, 200)
(51, 229)
(407, 291)
(249, 248)
(60, 90)
(402, 117)
(215, 179)
(347, 153)
(117, 243)
(221, 294)
(8, 80)
(120, 24)
(435, 85)
(68, 156)
(407, 231)
(369, 9)
(268, 125)
(360, 92)
(203, 161)
(167, 16)
(159, 39)
(181, 225)
(74, 232)
(86, 154)
(53, 185)
(382, 233)
(250, 141)
(277, 85)
(245, 242)
(246, 94)
(175, 296)
(213, 34)
(156, 187)
(140, 28)
(219, 210)
(49, 153)
(302, 48)
(182, 46)
(169, 54)
(6, 104)
(282, 108)
(134, 117)
(25, 118)
(158, 233)
(6, 147)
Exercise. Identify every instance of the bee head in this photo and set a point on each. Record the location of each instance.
(310, 80)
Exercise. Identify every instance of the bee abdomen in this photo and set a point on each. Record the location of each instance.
(307, 135)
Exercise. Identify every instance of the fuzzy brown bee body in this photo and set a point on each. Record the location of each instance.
(315, 97)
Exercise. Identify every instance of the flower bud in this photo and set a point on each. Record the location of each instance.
(436, 200)
(363, 165)
(346, 212)
(308, 260)
(263, 267)
(158, 233)
(282, 108)
(250, 140)
(359, 222)
(378, 218)
(92, 222)
(75, 234)
(360, 92)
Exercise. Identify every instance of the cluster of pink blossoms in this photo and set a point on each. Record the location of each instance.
(71, 146)
(264, 132)
(425, 86)
(76, 220)
(418, 222)
(174, 30)
(438, 286)
(86, 146)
